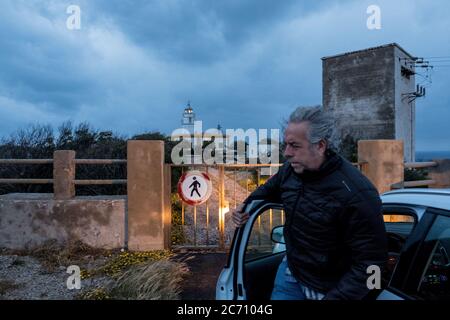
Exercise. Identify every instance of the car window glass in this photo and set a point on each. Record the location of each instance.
(398, 226)
(399, 223)
(260, 243)
(435, 284)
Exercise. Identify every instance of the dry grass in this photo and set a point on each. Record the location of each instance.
(6, 285)
(157, 280)
(116, 264)
(138, 275)
(52, 254)
(94, 294)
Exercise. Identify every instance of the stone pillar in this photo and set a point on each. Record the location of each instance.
(385, 164)
(145, 175)
(63, 174)
(440, 174)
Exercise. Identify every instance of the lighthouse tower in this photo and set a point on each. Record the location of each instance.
(188, 119)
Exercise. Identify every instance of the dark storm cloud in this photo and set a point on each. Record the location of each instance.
(39, 65)
(199, 32)
(134, 64)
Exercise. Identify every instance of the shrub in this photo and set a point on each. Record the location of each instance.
(157, 280)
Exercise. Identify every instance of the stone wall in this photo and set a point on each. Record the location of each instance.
(29, 220)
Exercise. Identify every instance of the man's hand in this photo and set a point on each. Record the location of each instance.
(239, 217)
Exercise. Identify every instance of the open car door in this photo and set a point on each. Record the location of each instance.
(254, 258)
(418, 264)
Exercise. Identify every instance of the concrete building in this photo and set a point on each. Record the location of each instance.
(371, 94)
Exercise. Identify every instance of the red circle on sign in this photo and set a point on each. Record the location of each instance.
(183, 192)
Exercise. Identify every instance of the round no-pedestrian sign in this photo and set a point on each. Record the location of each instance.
(194, 187)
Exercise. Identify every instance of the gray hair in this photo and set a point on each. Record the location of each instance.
(321, 125)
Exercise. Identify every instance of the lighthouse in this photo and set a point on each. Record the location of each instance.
(188, 119)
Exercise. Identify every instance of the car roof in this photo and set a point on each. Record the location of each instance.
(436, 198)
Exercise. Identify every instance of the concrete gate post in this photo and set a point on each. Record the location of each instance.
(440, 174)
(148, 215)
(384, 162)
(63, 174)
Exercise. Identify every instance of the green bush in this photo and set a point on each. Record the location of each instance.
(415, 174)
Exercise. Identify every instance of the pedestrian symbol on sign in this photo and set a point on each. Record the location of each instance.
(194, 185)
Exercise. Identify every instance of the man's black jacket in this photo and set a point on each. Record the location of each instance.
(334, 226)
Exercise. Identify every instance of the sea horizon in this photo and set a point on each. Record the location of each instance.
(432, 155)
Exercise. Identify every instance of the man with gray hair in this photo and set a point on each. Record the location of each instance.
(334, 227)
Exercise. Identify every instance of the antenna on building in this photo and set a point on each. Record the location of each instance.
(419, 93)
(410, 69)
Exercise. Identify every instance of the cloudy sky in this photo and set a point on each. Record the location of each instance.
(134, 64)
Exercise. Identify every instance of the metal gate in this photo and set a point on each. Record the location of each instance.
(209, 226)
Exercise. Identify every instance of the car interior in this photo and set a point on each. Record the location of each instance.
(259, 275)
(435, 284)
(399, 226)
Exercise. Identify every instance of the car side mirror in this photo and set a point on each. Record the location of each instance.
(277, 235)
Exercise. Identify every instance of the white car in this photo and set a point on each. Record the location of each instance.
(418, 227)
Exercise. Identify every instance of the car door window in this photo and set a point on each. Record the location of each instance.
(260, 243)
(398, 227)
(399, 223)
(434, 283)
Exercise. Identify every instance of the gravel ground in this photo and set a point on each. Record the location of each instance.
(24, 278)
